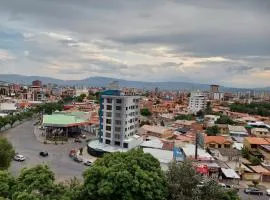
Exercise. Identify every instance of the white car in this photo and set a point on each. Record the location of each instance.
(268, 192)
(19, 157)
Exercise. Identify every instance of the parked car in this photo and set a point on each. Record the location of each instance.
(83, 136)
(19, 158)
(254, 191)
(78, 140)
(43, 153)
(87, 163)
(268, 192)
(78, 159)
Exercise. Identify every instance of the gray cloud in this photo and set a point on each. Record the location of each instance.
(155, 39)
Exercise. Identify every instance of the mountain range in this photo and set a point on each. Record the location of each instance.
(104, 81)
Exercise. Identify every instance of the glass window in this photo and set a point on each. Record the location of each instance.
(109, 100)
(108, 141)
(118, 122)
(125, 145)
(108, 121)
(117, 136)
(109, 114)
(109, 107)
(118, 107)
(108, 128)
(108, 135)
(117, 143)
(117, 114)
(118, 100)
(117, 129)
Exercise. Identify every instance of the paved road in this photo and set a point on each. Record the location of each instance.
(245, 196)
(24, 141)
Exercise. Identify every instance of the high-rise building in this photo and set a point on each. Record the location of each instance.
(214, 88)
(197, 102)
(119, 119)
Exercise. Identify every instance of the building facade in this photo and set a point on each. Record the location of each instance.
(119, 118)
(197, 102)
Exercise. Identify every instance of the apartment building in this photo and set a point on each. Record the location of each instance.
(119, 119)
(197, 102)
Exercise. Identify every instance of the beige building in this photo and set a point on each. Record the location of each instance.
(260, 132)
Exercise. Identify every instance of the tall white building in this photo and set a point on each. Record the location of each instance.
(197, 102)
(119, 119)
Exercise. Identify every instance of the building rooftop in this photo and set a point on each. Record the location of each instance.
(189, 151)
(230, 173)
(237, 129)
(164, 156)
(156, 129)
(259, 169)
(260, 130)
(257, 140)
(217, 139)
(60, 120)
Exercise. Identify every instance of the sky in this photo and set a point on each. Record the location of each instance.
(224, 42)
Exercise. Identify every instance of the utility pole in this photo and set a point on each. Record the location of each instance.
(196, 146)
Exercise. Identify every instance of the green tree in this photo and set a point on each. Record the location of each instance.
(208, 109)
(212, 131)
(25, 196)
(245, 152)
(6, 153)
(38, 179)
(224, 119)
(145, 112)
(200, 114)
(182, 180)
(6, 183)
(122, 176)
(184, 117)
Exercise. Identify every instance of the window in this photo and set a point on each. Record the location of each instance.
(118, 122)
(118, 129)
(118, 107)
(117, 143)
(108, 141)
(253, 146)
(108, 135)
(212, 145)
(118, 100)
(109, 107)
(108, 128)
(108, 121)
(109, 100)
(117, 136)
(109, 114)
(227, 146)
(219, 146)
(126, 108)
(125, 145)
(117, 114)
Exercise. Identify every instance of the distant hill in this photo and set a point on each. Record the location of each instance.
(104, 81)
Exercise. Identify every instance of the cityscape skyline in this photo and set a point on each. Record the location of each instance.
(222, 42)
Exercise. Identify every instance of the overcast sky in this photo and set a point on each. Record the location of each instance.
(206, 41)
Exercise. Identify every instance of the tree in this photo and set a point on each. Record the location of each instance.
(212, 131)
(245, 152)
(145, 112)
(208, 109)
(200, 114)
(132, 175)
(162, 123)
(224, 119)
(38, 179)
(184, 117)
(255, 182)
(6, 183)
(6, 153)
(182, 181)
